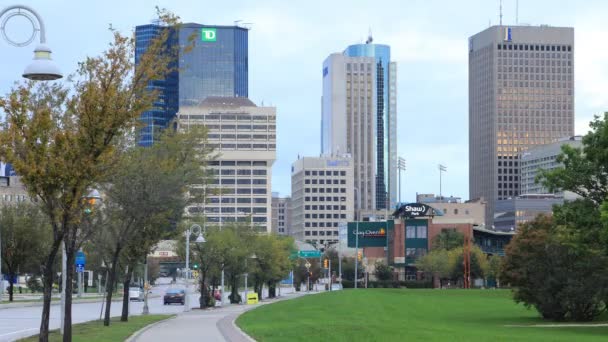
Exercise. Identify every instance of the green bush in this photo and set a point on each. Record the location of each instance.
(347, 284)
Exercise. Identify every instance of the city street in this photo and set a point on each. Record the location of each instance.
(20, 322)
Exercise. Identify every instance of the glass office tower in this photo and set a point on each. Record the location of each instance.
(216, 65)
(386, 119)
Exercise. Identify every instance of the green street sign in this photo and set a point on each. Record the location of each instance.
(309, 254)
(209, 34)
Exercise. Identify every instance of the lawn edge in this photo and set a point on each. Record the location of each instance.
(134, 336)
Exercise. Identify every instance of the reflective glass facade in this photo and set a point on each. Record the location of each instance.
(217, 65)
(386, 143)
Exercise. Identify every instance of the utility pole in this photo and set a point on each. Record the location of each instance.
(357, 252)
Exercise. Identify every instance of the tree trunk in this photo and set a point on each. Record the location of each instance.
(110, 289)
(11, 286)
(69, 276)
(47, 289)
(203, 298)
(125, 294)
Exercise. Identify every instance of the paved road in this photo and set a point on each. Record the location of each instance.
(215, 325)
(21, 322)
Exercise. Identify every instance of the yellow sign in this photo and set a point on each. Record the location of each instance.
(252, 298)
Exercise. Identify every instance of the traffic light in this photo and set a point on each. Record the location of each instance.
(326, 263)
(360, 255)
(90, 203)
(195, 266)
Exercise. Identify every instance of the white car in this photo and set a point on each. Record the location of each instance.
(135, 293)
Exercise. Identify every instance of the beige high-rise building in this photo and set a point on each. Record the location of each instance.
(244, 137)
(521, 94)
(322, 197)
(281, 214)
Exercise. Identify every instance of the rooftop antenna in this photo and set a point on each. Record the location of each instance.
(370, 39)
(500, 12)
(516, 12)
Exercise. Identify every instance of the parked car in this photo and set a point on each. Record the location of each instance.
(175, 296)
(136, 293)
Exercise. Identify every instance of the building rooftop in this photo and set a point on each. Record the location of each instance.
(216, 101)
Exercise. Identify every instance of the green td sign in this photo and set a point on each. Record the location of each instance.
(208, 34)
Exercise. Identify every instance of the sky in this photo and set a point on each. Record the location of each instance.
(289, 40)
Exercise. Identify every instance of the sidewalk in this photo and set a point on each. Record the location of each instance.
(57, 301)
(212, 325)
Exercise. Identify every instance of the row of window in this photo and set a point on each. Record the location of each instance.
(241, 136)
(246, 210)
(323, 207)
(324, 173)
(240, 172)
(15, 198)
(237, 163)
(242, 146)
(236, 200)
(243, 191)
(239, 181)
(534, 47)
(254, 219)
(321, 233)
(415, 253)
(323, 181)
(415, 232)
(229, 117)
(322, 216)
(511, 178)
(323, 190)
(323, 199)
(241, 127)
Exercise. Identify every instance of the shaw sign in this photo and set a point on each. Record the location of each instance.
(412, 210)
(371, 234)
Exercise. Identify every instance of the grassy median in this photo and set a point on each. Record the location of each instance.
(95, 331)
(407, 315)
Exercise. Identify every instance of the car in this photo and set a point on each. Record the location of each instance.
(175, 296)
(136, 293)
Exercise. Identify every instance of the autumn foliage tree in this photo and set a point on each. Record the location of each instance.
(62, 139)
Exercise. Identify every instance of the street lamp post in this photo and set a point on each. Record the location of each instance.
(400, 167)
(199, 239)
(42, 68)
(253, 256)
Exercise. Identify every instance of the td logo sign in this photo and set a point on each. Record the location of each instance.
(208, 34)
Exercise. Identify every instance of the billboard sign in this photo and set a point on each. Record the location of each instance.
(371, 234)
(414, 210)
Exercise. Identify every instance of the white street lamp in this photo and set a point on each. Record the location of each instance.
(42, 68)
(200, 239)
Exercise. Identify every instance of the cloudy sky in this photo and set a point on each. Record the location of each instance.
(290, 39)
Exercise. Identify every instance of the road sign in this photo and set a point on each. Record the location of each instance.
(80, 258)
(309, 254)
(307, 264)
(79, 268)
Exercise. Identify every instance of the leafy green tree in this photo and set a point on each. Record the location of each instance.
(383, 272)
(25, 233)
(552, 271)
(61, 139)
(436, 263)
(448, 239)
(479, 263)
(494, 267)
(272, 263)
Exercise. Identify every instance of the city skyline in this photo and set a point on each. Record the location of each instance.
(287, 50)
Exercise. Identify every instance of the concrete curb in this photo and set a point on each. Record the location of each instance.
(240, 331)
(139, 332)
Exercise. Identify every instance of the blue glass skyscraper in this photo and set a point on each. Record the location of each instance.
(216, 65)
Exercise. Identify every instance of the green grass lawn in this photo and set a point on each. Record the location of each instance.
(406, 315)
(96, 332)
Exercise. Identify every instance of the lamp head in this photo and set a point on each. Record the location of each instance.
(200, 239)
(42, 67)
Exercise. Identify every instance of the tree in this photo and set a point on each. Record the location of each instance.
(585, 170)
(437, 263)
(494, 266)
(552, 271)
(25, 233)
(144, 195)
(61, 139)
(448, 239)
(383, 272)
(479, 263)
(272, 263)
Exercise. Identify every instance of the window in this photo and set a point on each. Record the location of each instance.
(421, 232)
(410, 252)
(410, 232)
